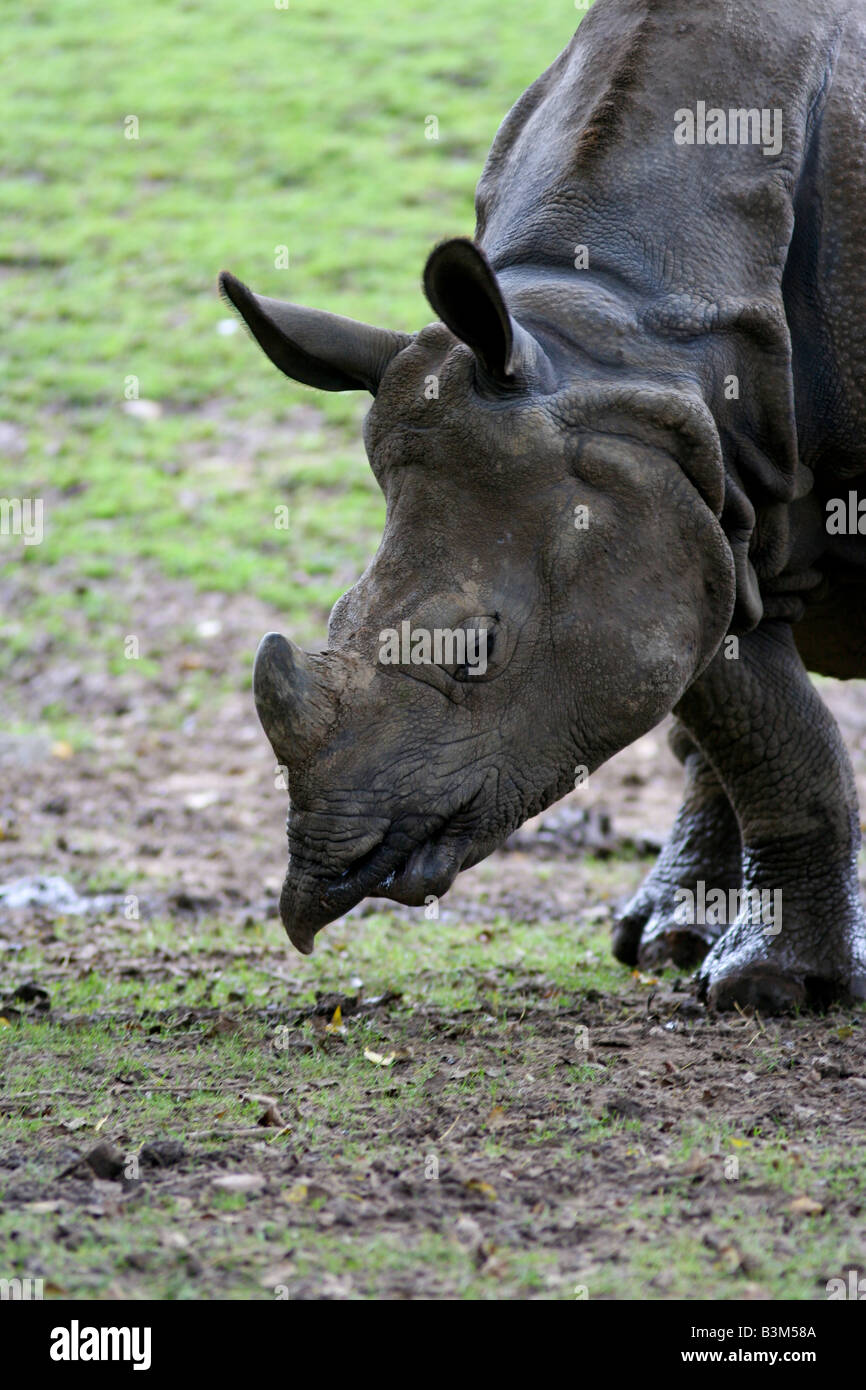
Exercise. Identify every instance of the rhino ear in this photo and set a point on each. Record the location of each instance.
(309, 345)
(462, 287)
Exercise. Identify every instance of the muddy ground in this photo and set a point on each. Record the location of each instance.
(554, 1116)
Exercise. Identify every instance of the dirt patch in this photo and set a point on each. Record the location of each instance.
(548, 1129)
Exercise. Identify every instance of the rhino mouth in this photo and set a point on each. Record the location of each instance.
(393, 868)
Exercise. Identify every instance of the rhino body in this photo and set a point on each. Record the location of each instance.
(630, 453)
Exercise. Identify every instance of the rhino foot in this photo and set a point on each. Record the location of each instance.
(808, 965)
(649, 935)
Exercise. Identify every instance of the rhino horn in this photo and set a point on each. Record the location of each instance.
(291, 701)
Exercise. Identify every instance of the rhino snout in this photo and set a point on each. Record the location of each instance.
(408, 864)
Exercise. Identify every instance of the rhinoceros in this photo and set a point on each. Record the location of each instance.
(626, 459)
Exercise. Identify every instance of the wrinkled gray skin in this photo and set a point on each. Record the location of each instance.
(606, 387)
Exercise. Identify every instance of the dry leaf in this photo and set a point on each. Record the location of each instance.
(477, 1185)
(239, 1182)
(298, 1193)
(304, 1192)
(336, 1024)
(805, 1206)
(378, 1059)
(174, 1240)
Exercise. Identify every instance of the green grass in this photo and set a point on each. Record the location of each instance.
(185, 1047)
(257, 128)
(454, 967)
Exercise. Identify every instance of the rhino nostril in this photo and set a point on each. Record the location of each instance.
(364, 875)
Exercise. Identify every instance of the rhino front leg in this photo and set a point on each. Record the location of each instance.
(704, 844)
(780, 755)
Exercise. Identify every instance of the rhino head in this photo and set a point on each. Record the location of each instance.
(552, 576)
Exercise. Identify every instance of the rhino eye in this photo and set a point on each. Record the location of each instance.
(469, 672)
(480, 646)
